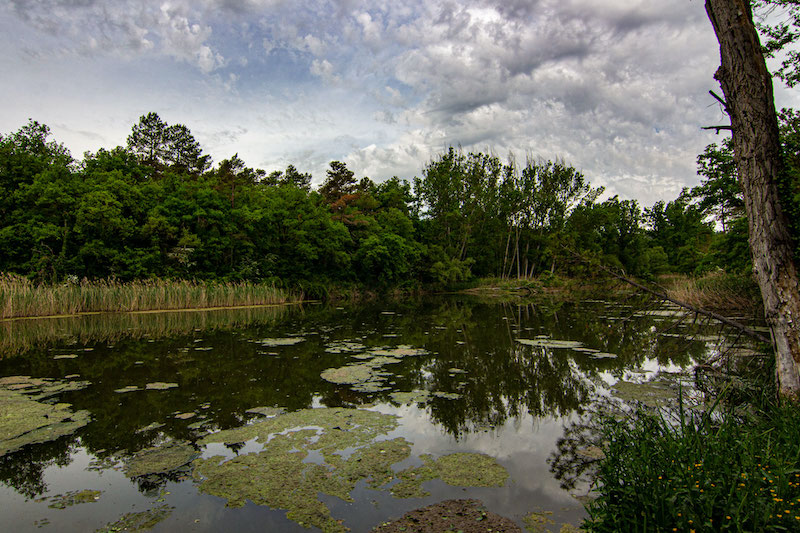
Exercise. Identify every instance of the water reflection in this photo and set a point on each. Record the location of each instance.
(485, 378)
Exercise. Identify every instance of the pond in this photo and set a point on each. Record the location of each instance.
(322, 416)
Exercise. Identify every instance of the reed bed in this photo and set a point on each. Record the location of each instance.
(716, 291)
(19, 297)
(20, 336)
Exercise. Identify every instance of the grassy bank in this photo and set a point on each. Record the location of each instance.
(19, 297)
(728, 472)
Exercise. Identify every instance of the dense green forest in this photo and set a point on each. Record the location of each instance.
(158, 207)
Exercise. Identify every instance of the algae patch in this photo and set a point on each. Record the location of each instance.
(278, 476)
(160, 385)
(76, 497)
(457, 469)
(284, 341)
(160, 459)
(281, 476)
(23, 420)
(366, 375)
(138, 521)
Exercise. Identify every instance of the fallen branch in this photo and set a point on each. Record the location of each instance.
(664, 296)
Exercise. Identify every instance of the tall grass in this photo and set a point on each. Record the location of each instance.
(19, 297)
(703, 473)
(718, 291)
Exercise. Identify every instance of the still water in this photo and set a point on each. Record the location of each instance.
(500, 379)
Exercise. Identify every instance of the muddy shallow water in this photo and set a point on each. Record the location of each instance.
(149, 393)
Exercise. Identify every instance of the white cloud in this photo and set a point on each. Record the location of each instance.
(617, 87)
(324, 69)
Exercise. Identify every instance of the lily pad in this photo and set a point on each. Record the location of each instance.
(129, 388)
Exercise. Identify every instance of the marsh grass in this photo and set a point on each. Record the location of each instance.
(701, 472)
(19, 297)
(717, 291)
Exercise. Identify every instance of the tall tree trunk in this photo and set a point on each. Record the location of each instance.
(747, 85)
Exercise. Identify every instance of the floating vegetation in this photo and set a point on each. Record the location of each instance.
(150, 427)
(160, 459)
(538, 522)
(450, 515)
(40, 388)
(350, 427)
(447, 395)
(348, 375)
(652, 393)
(344, 347)
(603, 355)
(185, 416)
(160, 385)
(138, 521)
(402, 350)
(66, 356)
(284, 341)
(76, 497)
(27, 421)
(545, 342)
(266, 411)
(129, 388)
(409, 397)
(278, 477)
(366, 376)
(457, 469)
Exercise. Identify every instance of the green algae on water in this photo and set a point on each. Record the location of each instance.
(353, 427)
(160, 385)
(457, 469)
(546, 342)
(404, 398)
(160, 459)
(348, 375)
(75, 497)
(284, 341)
(278, 477)
(141, 521)
(24, 421)
(268, 412)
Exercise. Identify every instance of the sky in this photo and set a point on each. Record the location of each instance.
(617, 88)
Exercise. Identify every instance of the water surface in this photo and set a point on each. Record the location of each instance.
(488, 377)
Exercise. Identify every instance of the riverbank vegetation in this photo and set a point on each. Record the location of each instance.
(158, 209)
(20, 297)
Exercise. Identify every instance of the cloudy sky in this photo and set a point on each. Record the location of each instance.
(618, 88)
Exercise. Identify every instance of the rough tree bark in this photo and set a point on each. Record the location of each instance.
(747, 86)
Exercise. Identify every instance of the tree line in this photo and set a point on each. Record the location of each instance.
(158, 207)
